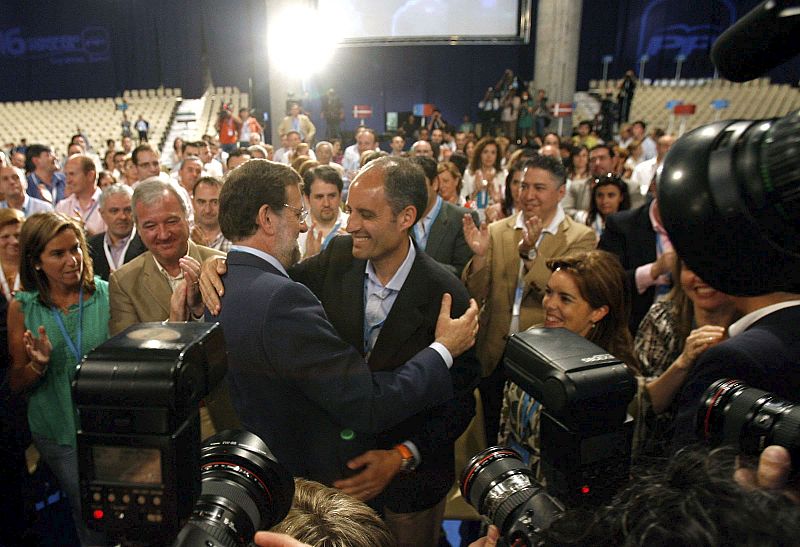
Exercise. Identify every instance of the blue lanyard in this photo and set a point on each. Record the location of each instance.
(74, 348)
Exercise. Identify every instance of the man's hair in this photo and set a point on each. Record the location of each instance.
(194, 144)
(640, 122)
(119, 153)
(258, 148)
(151, 190)
(428, 166)
(247, 188)
(235, 153)
(86, 163)
(371, 155)
(323, 143)
(190, 158)
(34, 151)
(324, 173)
(142, 148)
(549, 164)
(403, 184)
(326, 517)
(114, 189)
(608, 147)
(208, 181)
(689, 499)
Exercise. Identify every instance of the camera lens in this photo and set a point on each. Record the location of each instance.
(496, 483)
(244, 489)
(752, 419)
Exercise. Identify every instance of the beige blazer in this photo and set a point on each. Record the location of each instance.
(139, 292)
(494, 285)
(306, 128)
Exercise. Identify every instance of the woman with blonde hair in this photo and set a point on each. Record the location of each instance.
(60, 314)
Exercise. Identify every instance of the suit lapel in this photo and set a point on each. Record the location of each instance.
(509, 258)
(347, 312)
(403, 320)
(156, 285)
(438, 231)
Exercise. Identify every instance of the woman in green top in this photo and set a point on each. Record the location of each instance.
(61, 314)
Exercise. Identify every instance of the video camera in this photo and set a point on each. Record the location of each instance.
(585, 431)
(143, 473)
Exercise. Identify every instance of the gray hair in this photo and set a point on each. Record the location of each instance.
(151, 190)
(190, 158)
(323, 143)
(114, 189)
(403, 183)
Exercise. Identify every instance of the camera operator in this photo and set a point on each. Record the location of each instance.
(763, 351)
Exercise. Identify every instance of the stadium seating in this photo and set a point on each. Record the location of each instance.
(215, 98)
(750, 100)
(54, 122)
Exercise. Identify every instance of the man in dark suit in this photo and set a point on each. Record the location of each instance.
(377, 266)
(639, 240)
(293, 381)
(120, 243)
(763, 350)
(439, 230)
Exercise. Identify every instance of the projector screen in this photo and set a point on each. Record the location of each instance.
(436, 20)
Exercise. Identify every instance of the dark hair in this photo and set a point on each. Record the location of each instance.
(549, 164)
(574, 151)
(428, 166)
(601, 282)
(34, 151)
(403, 184)
(609, 179)
(208, 181)
(640, 122)
(475, 164)
(508, 199)
(324, 173)
(139, 149)
(247, 188)
(461, 160)
(608, 147)
(691, 498)
(36, 233)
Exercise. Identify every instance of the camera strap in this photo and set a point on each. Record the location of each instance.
(74, 348)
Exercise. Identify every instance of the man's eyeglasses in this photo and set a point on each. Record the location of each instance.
(302, 212)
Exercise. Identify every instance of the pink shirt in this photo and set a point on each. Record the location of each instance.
(93, 223)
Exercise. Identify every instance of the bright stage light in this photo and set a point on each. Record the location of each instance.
(301, 41)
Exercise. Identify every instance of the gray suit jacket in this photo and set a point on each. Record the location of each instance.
(446, 243)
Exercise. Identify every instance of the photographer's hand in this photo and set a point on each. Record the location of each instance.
(380, 467)
(774, 468)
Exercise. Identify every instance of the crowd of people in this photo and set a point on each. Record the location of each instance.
(365, 293)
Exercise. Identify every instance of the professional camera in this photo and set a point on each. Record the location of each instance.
(138, 396)
(499, 485)
(751, 419)
(737, 182)
(244, 489)
(585, 430)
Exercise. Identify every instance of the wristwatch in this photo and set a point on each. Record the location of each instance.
(530, 255)
(408, 463)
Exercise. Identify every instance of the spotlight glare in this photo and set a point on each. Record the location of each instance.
(301, 41)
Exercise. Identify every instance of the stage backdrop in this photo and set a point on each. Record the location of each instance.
(86, 48)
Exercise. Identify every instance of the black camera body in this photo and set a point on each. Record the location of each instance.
(138, 396)
(586, 432)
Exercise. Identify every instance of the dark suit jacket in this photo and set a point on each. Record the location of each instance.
(766, 356)
(99, 259)
(338, 280)
(630, 236)
(297, 385)
(446, 243)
